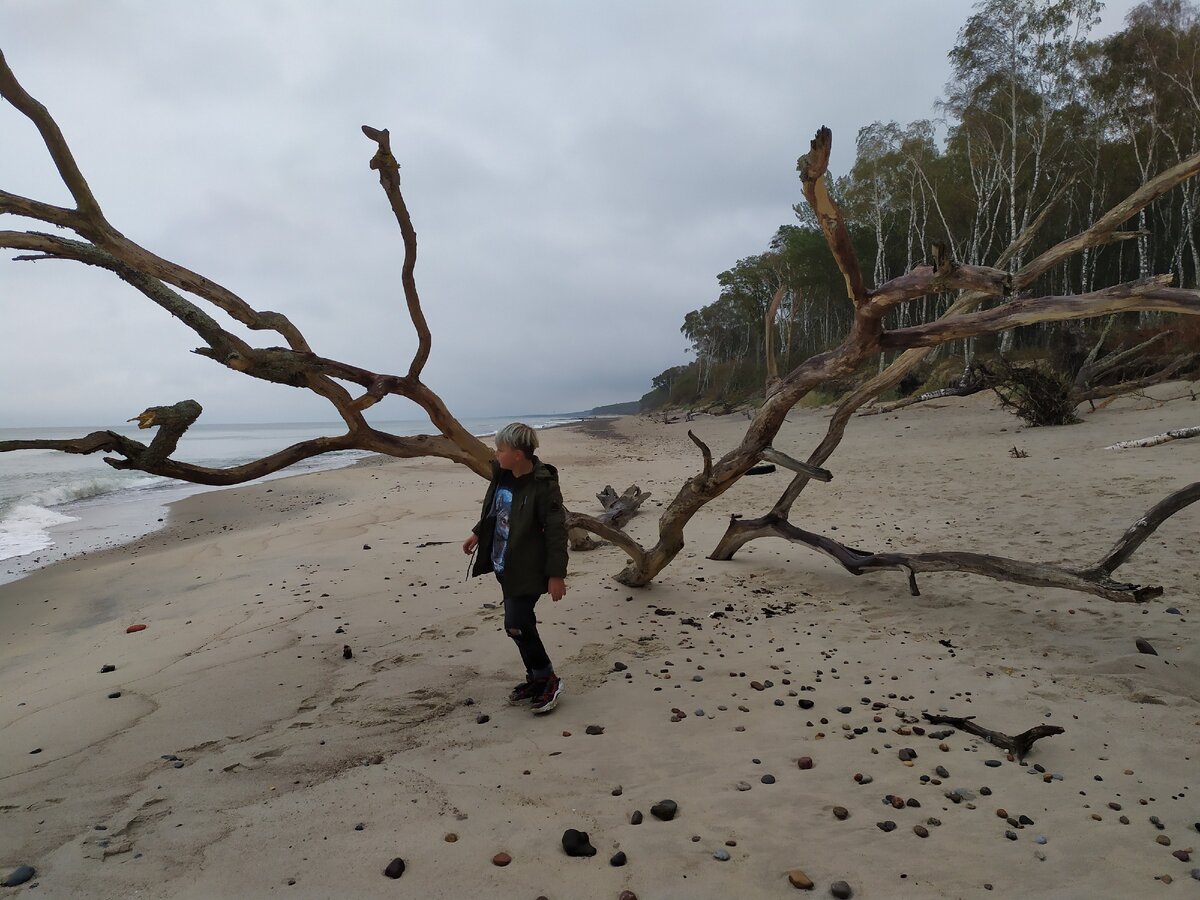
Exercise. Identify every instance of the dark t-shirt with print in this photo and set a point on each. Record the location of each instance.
(502, 510)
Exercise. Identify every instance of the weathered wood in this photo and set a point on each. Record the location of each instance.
(770, 454)
(620, 508)
(812, 168)
(1094, 579)
(1176, 434)
(1018, 745)
(958, 390)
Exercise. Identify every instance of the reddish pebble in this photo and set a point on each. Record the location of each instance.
(132, 628)
(501, 859)
(805, 762)
(627, 895)
(566, 734)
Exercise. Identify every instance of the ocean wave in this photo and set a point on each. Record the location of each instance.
(24, 529)
(86, 488)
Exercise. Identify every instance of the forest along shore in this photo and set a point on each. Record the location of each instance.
(233, 748)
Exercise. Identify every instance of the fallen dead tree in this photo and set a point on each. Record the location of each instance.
(351, 389)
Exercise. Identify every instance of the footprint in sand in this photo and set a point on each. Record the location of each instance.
(466, 632)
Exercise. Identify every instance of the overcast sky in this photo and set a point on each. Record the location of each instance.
(578, 175)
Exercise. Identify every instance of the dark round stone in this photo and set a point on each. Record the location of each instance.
(664, 810)
(886, 826)
(114, 695)
(576, 843)
(805, 703)
(618, 859)
(994, 763)
(841, 890)
(107, 667)
(636, 818)
(395, 868)
(921, 831)
(767, 779)
(841, 813)
(482, 719)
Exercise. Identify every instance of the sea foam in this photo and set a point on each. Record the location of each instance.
(24, 529)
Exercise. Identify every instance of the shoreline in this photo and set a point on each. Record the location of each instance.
(251, 593)
(117, 520)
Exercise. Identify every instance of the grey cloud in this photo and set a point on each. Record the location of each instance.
(578, 175)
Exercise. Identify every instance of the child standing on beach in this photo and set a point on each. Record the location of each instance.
(522, 537)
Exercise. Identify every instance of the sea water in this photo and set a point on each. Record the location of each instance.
(54, 504)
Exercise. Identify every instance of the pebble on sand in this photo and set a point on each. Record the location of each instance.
(501, 859)
(618, 859)
(135, 628)
(841, 890)
(576, 843)
(805, 762)
(19, 875)
(841, 813)
(664, 810)
(800, 880)
(594, 729)
(395, 868)
(1144, 646)
(721, 855)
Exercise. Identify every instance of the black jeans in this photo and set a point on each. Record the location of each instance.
(521, 625)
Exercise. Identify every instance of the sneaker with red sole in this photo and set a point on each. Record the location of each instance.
(528, 690)
(548, 699)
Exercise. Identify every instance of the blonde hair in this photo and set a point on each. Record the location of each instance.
(518, 436)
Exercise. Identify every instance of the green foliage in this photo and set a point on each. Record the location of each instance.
(1035, 109)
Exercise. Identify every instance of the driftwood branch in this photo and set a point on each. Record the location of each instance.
(389, 177)
(1144, 294)
(1018, 745)
(706, 474)
(1094, 579)
(1176, 434)
(813, 168)
(770, 454)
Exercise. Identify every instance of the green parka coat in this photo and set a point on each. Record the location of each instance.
(537, 532)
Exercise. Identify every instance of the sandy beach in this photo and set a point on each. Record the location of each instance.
(246, 757)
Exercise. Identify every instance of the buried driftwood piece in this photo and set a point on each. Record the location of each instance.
(620, 508)
(1177, 434)
(1018, 745)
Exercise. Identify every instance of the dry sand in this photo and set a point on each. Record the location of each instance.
(249, 596)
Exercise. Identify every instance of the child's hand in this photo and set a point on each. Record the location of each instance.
(470, 543)
(558, 589)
